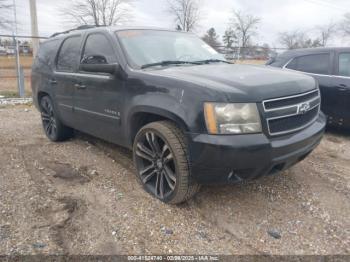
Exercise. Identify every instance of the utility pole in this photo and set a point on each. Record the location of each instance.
(34, 25)
(14, 32)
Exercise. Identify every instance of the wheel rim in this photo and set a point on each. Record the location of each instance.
(48, 118)
(156, 164)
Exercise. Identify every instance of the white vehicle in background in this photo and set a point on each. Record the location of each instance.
(2, 51)
(10, 50)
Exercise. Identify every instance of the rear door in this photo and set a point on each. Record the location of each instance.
(99, 96)
(341, 88)
(319, 66)
(64, 79)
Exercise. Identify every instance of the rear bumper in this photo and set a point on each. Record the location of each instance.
(232, 158)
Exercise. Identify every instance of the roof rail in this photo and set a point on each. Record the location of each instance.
(82, 27)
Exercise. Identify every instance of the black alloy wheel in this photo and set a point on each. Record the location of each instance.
(160, 158)
(156, 164)
(48, 118)
(53, 127)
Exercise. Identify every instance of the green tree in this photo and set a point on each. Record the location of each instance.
(229, 38)
(211, 38)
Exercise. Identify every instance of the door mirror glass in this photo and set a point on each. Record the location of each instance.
(94, 60)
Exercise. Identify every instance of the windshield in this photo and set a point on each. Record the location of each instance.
(145, 47)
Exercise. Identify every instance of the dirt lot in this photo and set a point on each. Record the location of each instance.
(81, 197)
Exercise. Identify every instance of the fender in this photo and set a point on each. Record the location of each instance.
(155, 110)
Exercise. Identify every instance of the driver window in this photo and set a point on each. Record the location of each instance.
(98, 50)
(344, 64)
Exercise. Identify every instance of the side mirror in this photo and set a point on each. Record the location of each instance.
(100, 68)
(97, 64)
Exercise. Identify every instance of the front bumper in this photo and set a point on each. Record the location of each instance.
(217, 159)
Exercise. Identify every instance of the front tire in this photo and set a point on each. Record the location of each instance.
(53, 127)
(161, 160)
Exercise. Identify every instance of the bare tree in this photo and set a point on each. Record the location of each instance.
(5, 8)
(298, 39)
(245, 26)
(345, 24)
(98, 12)
(186, 13)
(292, 39)
(326, 32)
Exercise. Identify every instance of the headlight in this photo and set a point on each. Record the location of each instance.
(239, 118)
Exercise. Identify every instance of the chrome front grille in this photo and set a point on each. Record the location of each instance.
(292, 113)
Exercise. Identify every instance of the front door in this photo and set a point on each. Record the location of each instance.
(319, 66)
(64, 79)
(341, 89)
(98, 96)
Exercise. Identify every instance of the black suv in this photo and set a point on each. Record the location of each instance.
(331, 68)
(189, 116)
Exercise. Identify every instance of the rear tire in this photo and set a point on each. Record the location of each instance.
(161, 161)
(53, 127)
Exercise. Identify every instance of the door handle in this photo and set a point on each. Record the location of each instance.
(342, 87)
(53, 82)
(80, 86)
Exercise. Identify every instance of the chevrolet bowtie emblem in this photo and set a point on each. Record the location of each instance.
(303, 108)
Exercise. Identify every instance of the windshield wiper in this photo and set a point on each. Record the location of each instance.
(208, 61)
(166, 63)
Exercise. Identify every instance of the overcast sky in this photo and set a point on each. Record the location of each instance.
(276, 15)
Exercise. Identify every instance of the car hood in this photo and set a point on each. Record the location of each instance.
(251, 83)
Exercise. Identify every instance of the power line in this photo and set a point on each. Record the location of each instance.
(324, 4)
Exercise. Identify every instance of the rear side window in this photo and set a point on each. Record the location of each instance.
(47, 52)
(69, 54)
(99, 45)
(344, 64)
(316, 64)
(278, 61)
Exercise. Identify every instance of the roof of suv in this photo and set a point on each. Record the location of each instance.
(305, 51)
(281, 59)
(106, 28)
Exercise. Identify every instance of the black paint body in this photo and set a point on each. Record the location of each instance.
(334, 87)
(114, 107)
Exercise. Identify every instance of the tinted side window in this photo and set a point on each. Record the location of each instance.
(47, 52)
(344, 64)
(293, 64)
(99, 45)
(69, 54)
(316, 64)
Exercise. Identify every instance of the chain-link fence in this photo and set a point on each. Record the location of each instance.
(249, 53)
(15, 77)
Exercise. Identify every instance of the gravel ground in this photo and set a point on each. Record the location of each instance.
(81, 197)
(15, 101)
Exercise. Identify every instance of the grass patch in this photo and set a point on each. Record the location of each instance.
(9, 62)
(9, 94)
(14, 94)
